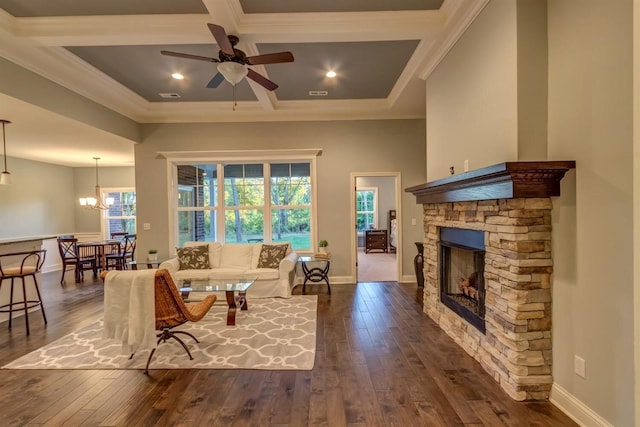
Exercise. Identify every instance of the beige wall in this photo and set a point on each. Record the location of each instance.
(590, 120)
(470, 115)
(358, 146)
(39, 202)
(43, 199)
(20, 83)
(472, 96)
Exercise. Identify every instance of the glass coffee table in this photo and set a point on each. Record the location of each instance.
(235, 291)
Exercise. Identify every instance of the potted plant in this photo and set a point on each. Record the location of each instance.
(153, 255)
(322, 246)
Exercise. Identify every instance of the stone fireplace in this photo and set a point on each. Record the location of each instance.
(509, 206)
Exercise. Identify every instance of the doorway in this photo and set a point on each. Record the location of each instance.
(376, 213)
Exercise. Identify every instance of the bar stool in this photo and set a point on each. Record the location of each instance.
(30, 264)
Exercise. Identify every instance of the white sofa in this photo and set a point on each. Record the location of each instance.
(241, 259)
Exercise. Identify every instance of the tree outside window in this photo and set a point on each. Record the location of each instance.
(268, 202)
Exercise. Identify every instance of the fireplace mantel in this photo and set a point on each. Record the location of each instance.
(501, 181)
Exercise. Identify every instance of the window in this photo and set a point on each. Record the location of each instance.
(197, 201)
(291, 204)
(245, 202)
(366, 208)
(121, 216)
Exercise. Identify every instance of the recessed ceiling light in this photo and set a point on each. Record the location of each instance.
(177, 76)
(331, 74)
(169, 95)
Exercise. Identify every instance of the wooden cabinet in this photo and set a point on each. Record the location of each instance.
(375, 240)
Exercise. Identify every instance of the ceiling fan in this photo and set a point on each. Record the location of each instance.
(232, 62)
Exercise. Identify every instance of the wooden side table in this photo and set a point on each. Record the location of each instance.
(314, 273)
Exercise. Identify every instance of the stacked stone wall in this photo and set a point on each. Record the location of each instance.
(516, 349)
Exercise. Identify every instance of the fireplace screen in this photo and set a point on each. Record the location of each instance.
(462, 273)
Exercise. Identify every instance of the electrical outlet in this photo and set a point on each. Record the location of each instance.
(579, 366)
(466, 165)
(413, 221)
(146, 226)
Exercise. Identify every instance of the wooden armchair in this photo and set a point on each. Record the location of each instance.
(172, 311)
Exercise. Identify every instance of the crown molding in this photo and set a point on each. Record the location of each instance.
(222, 155)
(252, 111)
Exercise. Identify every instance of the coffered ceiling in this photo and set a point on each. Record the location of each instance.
(109, 51)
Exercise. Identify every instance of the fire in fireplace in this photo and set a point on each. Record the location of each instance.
(462, 273)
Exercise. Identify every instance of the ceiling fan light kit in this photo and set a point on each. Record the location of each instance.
(232, 72)
(5, 177)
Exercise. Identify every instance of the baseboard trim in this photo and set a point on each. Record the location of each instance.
(575, 408)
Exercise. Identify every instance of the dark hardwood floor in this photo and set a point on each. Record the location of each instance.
(380, 362)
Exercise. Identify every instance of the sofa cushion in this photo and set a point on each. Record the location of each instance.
(236, 255)
(271, 255)
(194, 257)
(215, 249)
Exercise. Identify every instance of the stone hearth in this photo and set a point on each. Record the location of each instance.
(516, 348)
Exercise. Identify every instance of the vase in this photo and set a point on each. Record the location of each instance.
(153, 257)
(418, 263)
(322, 249)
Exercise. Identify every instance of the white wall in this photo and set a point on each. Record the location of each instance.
(471, 114)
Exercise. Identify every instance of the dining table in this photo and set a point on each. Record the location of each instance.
(101, 249)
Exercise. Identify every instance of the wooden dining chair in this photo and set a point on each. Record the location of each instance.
(28, 265)
(70, 256)
(118, 235)
(126, 253)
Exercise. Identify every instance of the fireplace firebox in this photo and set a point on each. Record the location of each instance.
(462, 274)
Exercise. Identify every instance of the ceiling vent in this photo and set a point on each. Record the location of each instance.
(169, 95)
(318, 93)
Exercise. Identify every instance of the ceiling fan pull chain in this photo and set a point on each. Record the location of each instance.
(235, 102)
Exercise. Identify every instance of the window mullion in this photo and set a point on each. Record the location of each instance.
(268, 233)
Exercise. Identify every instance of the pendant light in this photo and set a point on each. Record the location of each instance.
(96, 202)
(5, 177)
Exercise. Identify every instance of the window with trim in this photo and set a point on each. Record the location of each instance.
(245, 202)
(121, 216)
(366, 208)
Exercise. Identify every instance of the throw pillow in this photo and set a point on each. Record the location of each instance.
(271, 255)
(194, 257)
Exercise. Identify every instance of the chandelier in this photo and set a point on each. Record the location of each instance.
(96, 202)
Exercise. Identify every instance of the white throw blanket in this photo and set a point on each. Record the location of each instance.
(130, 309)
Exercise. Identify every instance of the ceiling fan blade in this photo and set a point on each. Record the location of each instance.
(215, 81)
(271, 58)
(188, 56)
(221, 38)
(261, 80)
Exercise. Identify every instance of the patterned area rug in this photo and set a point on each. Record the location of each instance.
(274, 333)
